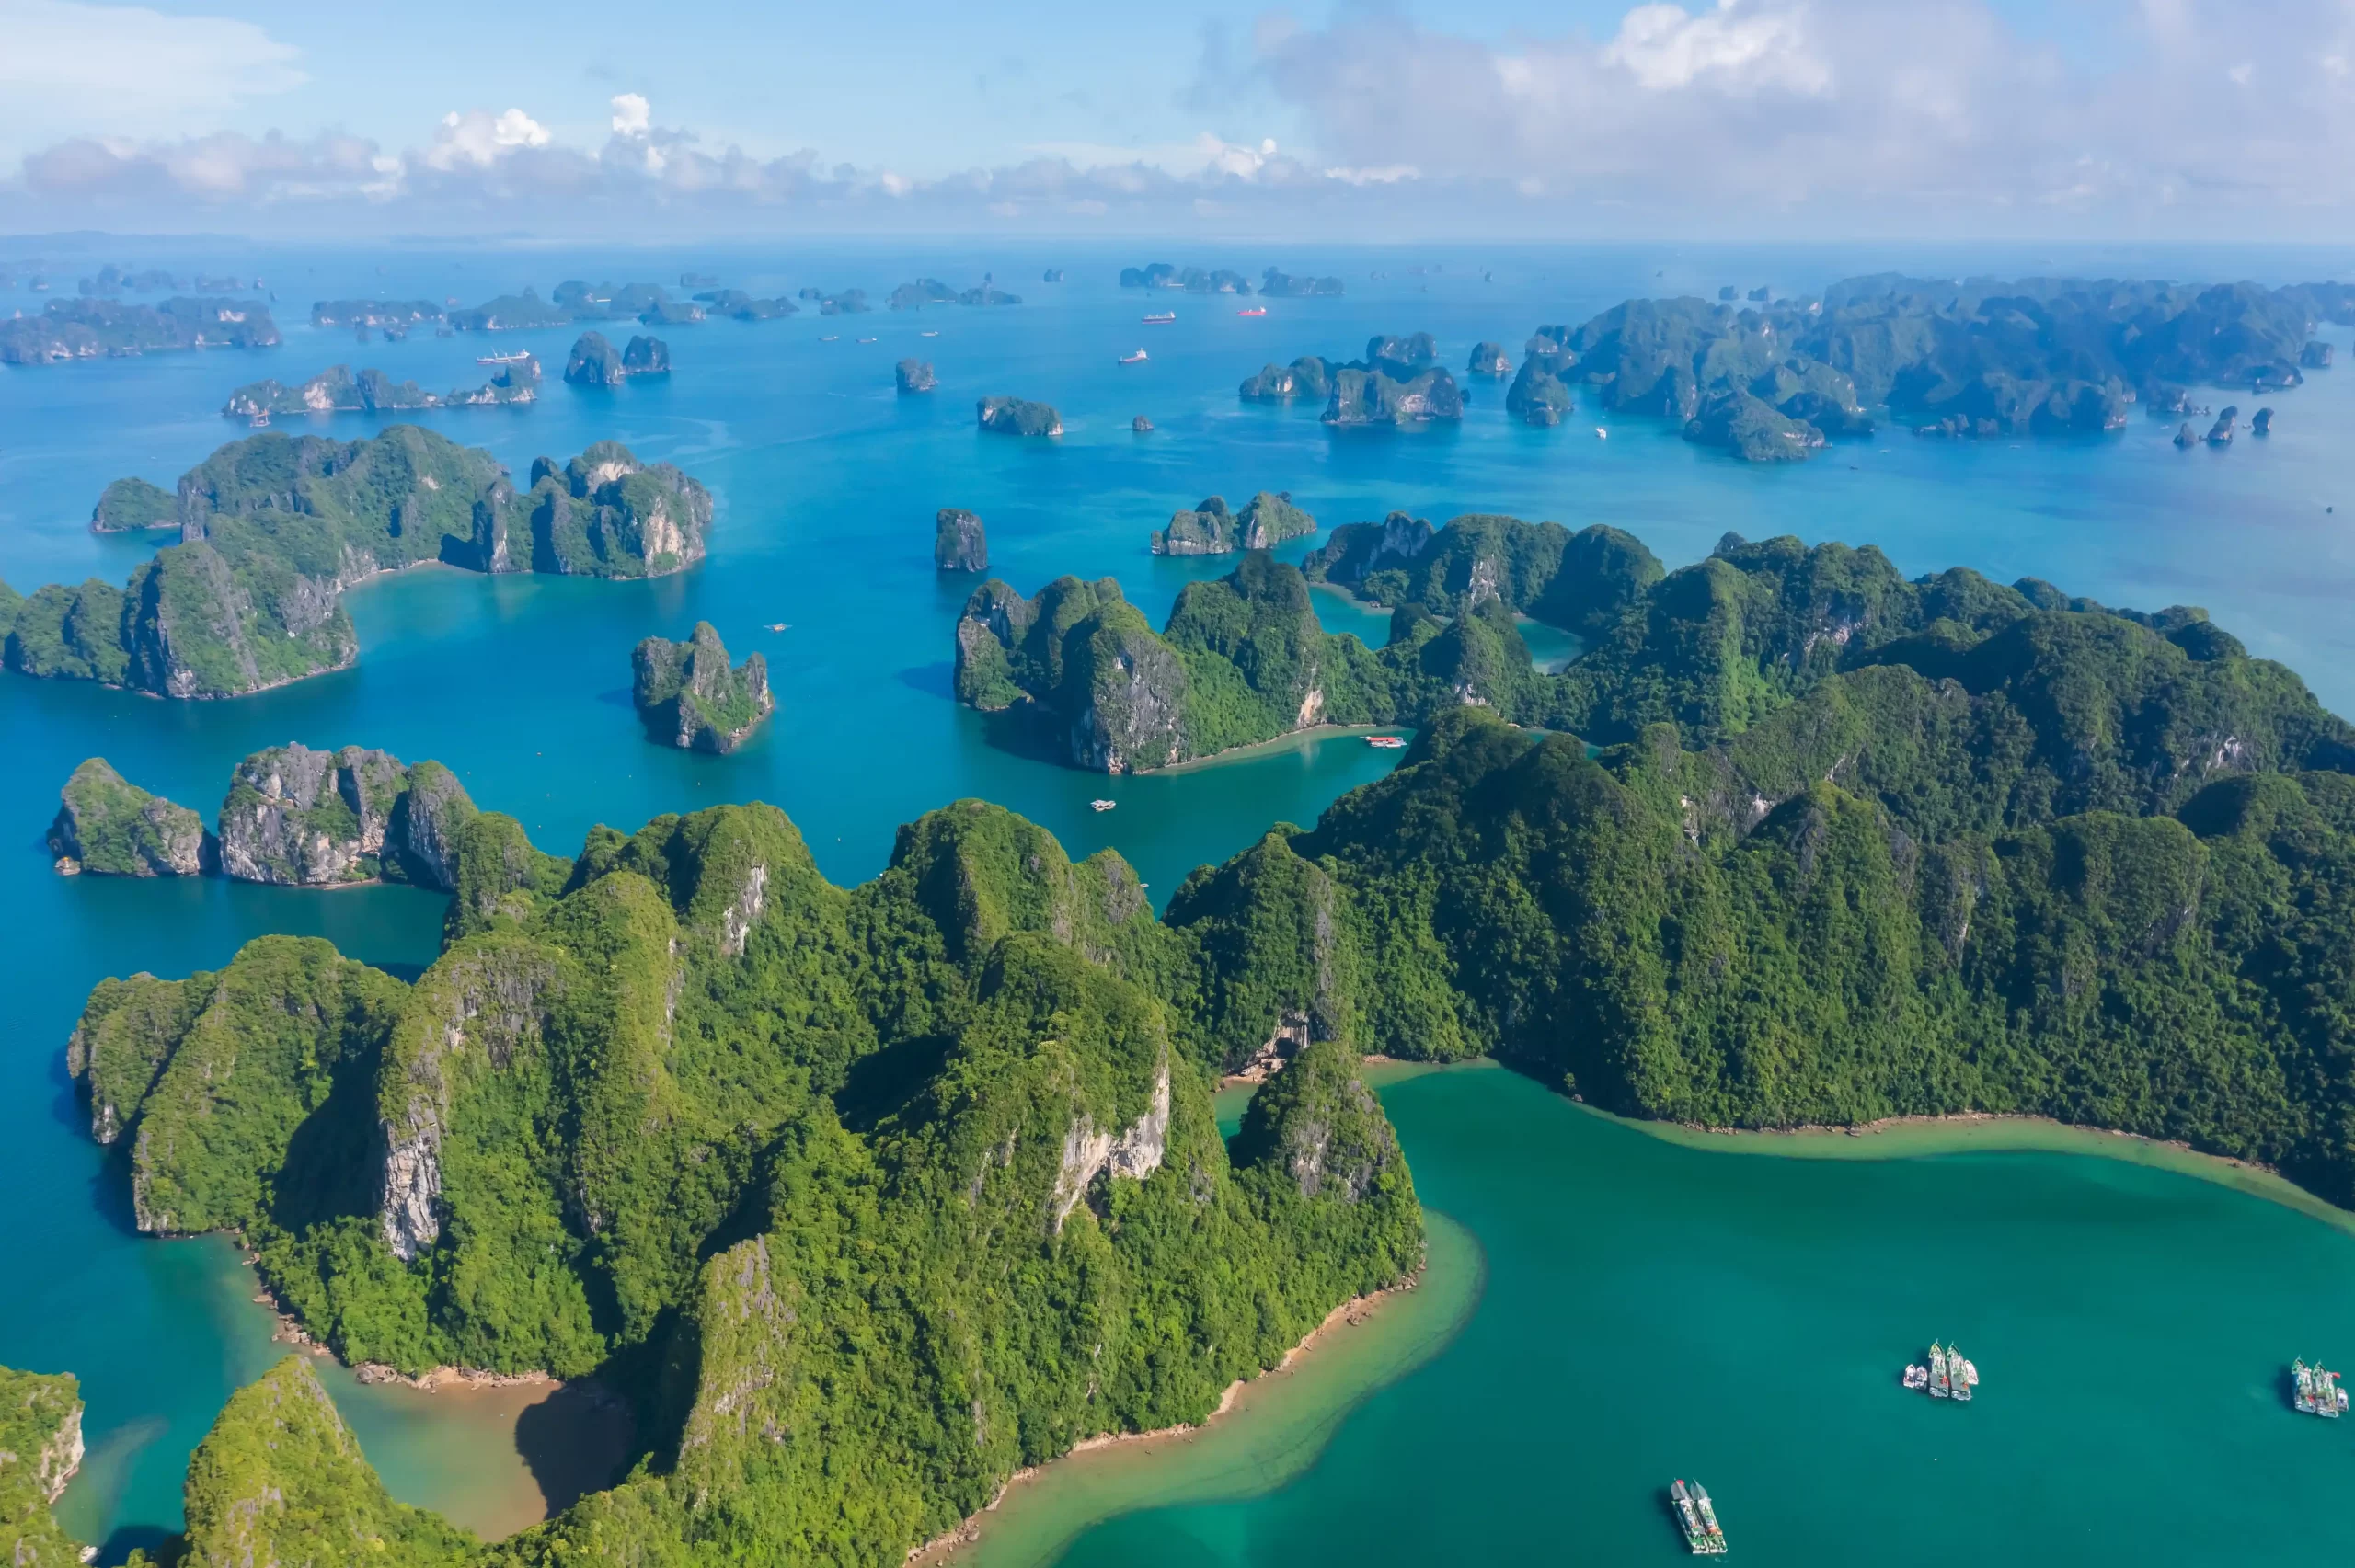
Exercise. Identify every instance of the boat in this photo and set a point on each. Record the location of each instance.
(1135, 358)
(1387, 742)
(1101, 804)
(1697, 1519)
(1961, 1376)
(1255, 310)
(1601, 434)
(867, 340)
(1941, 1384)
(1161, 318)
(831, 338)
(2316, 1391)
(1916, 1376)
(929, 332)
(259, 420)
(517, 357)
(777, 626)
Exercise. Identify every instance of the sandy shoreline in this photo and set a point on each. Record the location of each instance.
(1358, 1309)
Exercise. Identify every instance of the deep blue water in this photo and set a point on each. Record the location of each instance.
(827, 482)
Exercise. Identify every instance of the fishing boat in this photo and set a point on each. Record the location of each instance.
(2316, 1390)
(1135, 358)
(1697, 1519)
(867, 340)
(1387, 742)
(929, 332)
(1101, 804)
(1916, 1376)
(1941, 1381)
(517, 357)
(1255, 310)
(1161, 318)
(1601, 434)
(1961, 1374)
(831, 338)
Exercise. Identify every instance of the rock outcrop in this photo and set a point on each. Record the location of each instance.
(594, 361)
(958, 544)
(606, 514)
(1017, 416)
(1490, 359)
(296, 818)
(1308, 376)
(1751, 429)
(1266, 520)
(913, 376)
(1367, 396)
(40, 1449)
(111, 827)
(690, 697)
(129, 504)
(1141, 424)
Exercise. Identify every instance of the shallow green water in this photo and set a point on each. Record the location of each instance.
(1654, 1310)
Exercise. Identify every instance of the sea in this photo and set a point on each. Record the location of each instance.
(1647, 1311)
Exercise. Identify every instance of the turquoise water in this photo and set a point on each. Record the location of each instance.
(826, 483)
(1654, 1312)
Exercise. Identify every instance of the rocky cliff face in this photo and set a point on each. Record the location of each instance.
(605, 514)
(1372, 397)
(689, 696)
(914, 375)
(1210, 528)
(40, 1449)
(958, 544)
(304, 819)
(1017, 416)
(1130, 690)
(428, 819)
(107, 825)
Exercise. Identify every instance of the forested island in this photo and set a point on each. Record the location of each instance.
(933, 291)
(1771, 383)
(1266, 520)
(594, 361)
(801, 1168)
(1017, 416)
(688, 695)
(337, 391)
(1399, 382)
(1222, 280)
(274, 528)
(98, 327)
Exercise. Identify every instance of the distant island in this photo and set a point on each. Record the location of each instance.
(1771, 383)
(594, 361)
(1399, 382)
(100, 327)
(1018, 417)
(850, 302)
(914, 375)
(1222, 280)
(688, 696)
(1265, 521)
(375, 313)
(272, 529)
(337, 391)
(932, 292)
(737, 305)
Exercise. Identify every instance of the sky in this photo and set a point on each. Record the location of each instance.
(1717, 118)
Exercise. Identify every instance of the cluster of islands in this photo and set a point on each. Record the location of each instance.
(869, 1198)
(1773, 382)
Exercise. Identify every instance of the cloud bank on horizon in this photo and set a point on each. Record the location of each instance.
(1763, 116)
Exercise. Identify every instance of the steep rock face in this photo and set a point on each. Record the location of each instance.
(605, 514)
(689, 697)
(594, 361)
(1371, 396)
(1130, 691)
(1308, 376)
(280, 1479)
(958, 544)
(426, 824)
(112, 827)
(1751, 429)
(298, 817)
(914, 376)
(196, 624)
(646, 356)
(40, 1449)
(1135, 1153)
(1318, 1122)
(1490, 359)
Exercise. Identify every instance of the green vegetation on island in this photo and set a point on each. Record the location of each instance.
(1266, 520)
(395, 314)
(299, 817)
(688, 696)
(129, 504)
(914, 375)
(274, 528)
(873, 1195)
(594, 361)
(1283, 285)
(108, 825)
(737, 305)
(933, 291)
(337, 391)
(1017, 416)
(40, 1447)
(100, 327)
(1399, 382)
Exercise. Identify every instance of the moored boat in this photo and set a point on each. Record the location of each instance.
(1941, 1383)
(1387, 742)
(2315, 1392)
(1961, 1374)
(1697, 1519)
(1255, 310)
(1102, 805)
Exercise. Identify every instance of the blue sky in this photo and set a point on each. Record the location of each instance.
(1742, 118)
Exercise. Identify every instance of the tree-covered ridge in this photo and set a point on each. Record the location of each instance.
(1580, 582)
(110, 825)
(274, 528)
(1266, 520)
(1980, 358)
(40, 1447)
(337, 391)
(1399, 382)
(877, 1194)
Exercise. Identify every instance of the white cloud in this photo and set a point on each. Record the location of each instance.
(480, 138)
(1664, 48)
(127, 70)
(1206, 153)
(632, 114)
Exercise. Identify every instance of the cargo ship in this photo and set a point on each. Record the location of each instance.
(1135, 358)
(516, 358)
(1161, 318)
(2316, 1391)
(1697, 1519)
(1255, 310)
